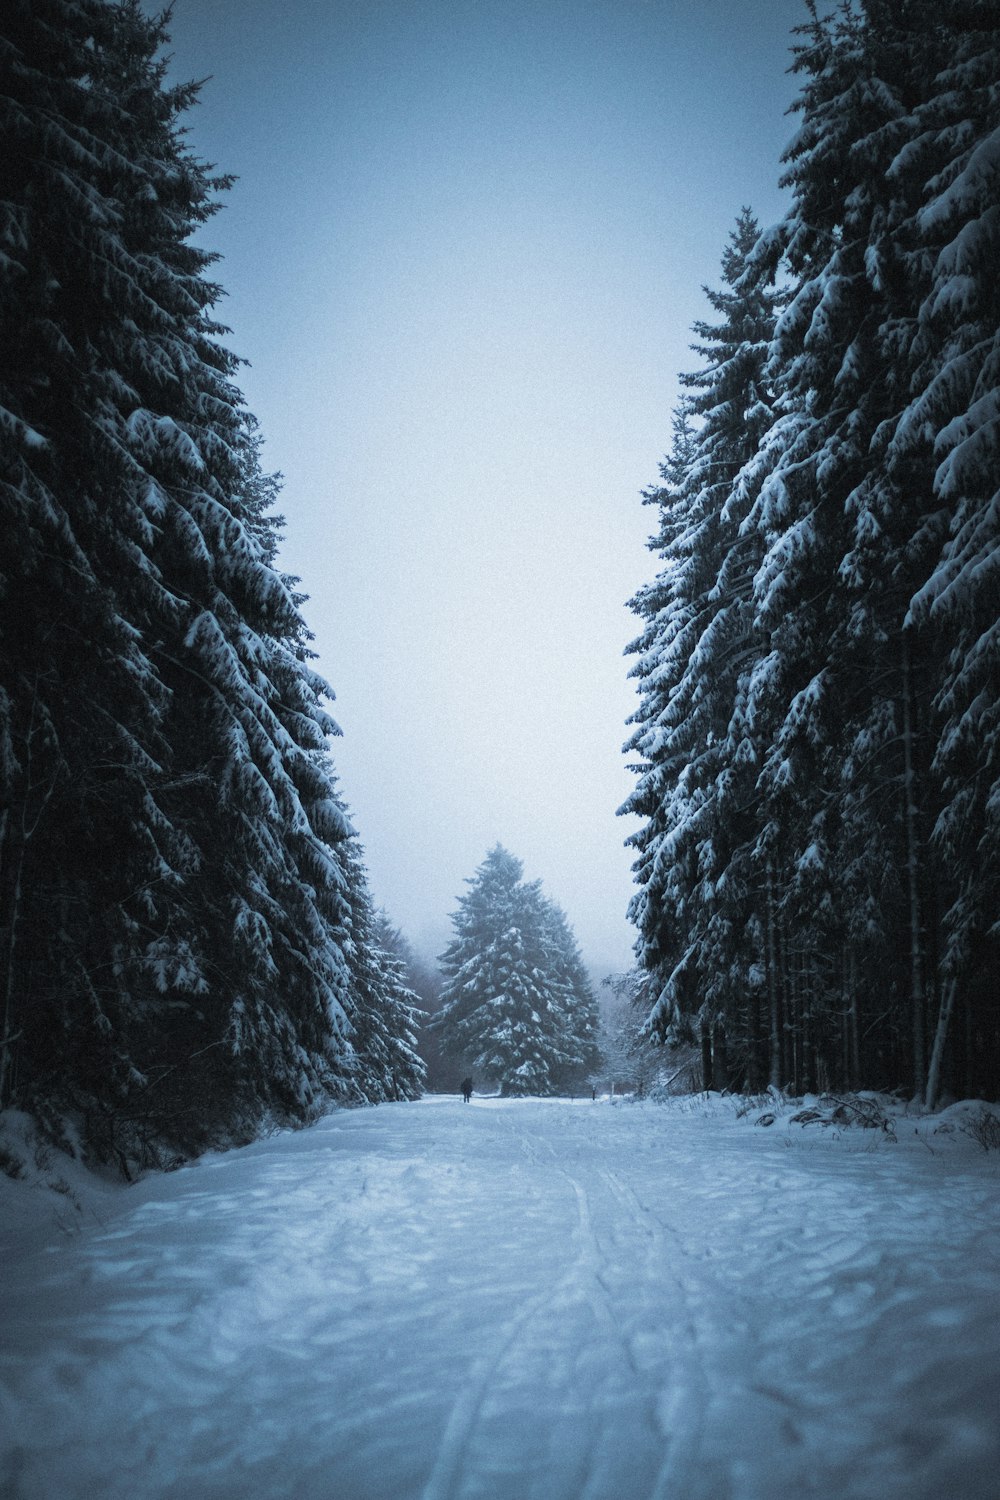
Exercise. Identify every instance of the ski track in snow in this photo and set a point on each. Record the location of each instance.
(518, 1300)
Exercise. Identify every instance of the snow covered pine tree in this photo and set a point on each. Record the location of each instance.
(385, 1012)
(174, 900)
(835, 838)
(516, 1006)
(697, 657)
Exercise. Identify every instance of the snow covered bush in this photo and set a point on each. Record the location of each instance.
(984, 1128)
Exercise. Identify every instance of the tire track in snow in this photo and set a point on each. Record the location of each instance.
(591, 1266)
(582, 1285)
(483, 1374)
(681, 1410)
(675, 1416)
(466, 1411)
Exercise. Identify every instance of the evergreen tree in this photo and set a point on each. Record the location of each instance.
(697, 658)
(948, 434)
(841, 562)
(513, 1006)
(856, 510)
(384, 1011)
(424, 979)
(579, 1018)
(174, 892)
(819, 826)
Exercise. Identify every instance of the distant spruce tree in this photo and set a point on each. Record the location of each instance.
(577, 1003)
(384, 1011)
(423, 977)
(515, 1007)
(174, 894)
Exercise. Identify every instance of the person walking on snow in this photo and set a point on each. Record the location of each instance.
(466, 1089)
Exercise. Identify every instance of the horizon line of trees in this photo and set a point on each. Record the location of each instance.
(818, 671)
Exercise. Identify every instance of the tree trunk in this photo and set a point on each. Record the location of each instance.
(776, 1020)
(706, 1054)
(757, 1059)
(806, 988)
(791, 1009)
(12, 869)
(918, 1002)
(720, 1059)
(30, 798)
(853, 1021)
(940, 1037)
(844, 1082)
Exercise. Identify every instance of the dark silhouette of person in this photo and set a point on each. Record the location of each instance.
(466, 1089)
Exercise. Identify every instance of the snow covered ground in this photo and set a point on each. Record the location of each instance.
(515, 1301)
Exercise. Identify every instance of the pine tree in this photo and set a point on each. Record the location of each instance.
(948, 433)
(174, 896)
(513, 1005)
(697, 656)
(384, 1012)
(424, 979)
(579, 1015)
(895, 306)
(827, 591)
(820, 823)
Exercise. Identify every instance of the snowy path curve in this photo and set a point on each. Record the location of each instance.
(526, 1300)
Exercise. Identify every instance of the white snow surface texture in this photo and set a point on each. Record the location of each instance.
(514, 1300)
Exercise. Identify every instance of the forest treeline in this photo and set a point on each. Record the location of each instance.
(189, 950)
(819, 664)
(188, 945)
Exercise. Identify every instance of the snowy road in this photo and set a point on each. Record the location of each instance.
(516, 1301)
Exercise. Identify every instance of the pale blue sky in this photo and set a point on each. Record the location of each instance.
(463, 257)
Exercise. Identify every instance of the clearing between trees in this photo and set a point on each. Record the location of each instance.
(520, 1300)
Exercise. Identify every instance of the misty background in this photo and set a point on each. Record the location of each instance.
(462, 258)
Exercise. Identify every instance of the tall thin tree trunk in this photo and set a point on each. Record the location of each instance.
(756, 1071)
(940, 1037)
(10, 911)
(808, 1069)
(720, 1059)
(786, 999)
(776, 1020)
(844, 1081)
(793, 1012)
(853, 1020)
(918, 1001)
(32, 795)
(706, 1053)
